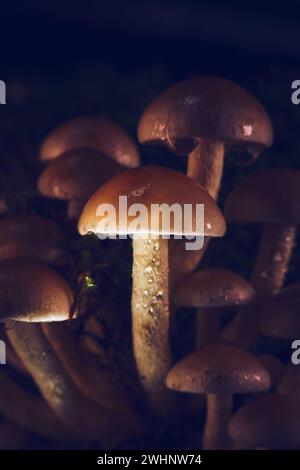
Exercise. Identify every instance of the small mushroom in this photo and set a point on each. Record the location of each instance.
(31, 237)
(269, 198)
(218, 370)
(280, 316)
(201, 118)
(75, 176)
(209, 291)
(95, 132)
(150, 284)
(33, 292)
(271, 421)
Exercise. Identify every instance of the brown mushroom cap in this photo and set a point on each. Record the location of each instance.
(205, 107)
(32, 292)
(280, 316)
(214, 288)
(269, 420)
(267, 196)
(77, 174)
(97, 132)
(219, 368)
(274, 366)
(153, 185)
(31, 237)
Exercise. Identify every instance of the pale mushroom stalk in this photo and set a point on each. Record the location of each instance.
(151, 318)
(205, 165)
(219, 410)
(268, 276)
(86, 418)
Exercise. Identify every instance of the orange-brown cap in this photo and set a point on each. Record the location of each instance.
(31, 237)
(274, 366)
(269, 420)
(205, 107)
(280, 316)
(77, 174)
(32, 292)
(219, 368)
(214, 287)
(148, 186)
(268, 196)
(97, 132)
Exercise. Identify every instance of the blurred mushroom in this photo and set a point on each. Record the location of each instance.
(150, 289)
(30, 412)
(30, 237)
(89, 420)
(274, 366)
(270, 198)
(93, 380)
(94, 132)
(202, 117)
(280, 316)
(3, 205)
(209, 291)
(32, 292)
(218, 370)
(270, 420)
(75, 176)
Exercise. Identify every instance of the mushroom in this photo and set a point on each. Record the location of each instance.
(33, 292)
(75, 176)
(150, 296)
(95, 132)
(86, 418)
(202, 117)
(209, 291)
(269, 420)
(31, 237)
(274, 366)
(218, 370)
(280, 316)
(30, 412)
(270, 198)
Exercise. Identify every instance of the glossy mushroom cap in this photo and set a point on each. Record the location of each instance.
(280, 316)
(267, 196)
(32, 292)
(274, 366)
(269, 420)
(205, 107)
(96, 132)
(30, 237)
(214, 288)
(77, 174)
(219, 368)
(148, 186)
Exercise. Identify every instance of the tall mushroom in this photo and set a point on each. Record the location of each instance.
(211, 290)
(201, 118)
(150, 187)
(269, 198)
(218, 370)
(94, 132)
(75, 176)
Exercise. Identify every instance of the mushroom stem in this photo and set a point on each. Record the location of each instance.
(268, 275)
(90, 421)
(150, 318)
(219, 409)
(207, 325)
(205, 165)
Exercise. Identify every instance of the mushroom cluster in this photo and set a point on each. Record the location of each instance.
(96, 358)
